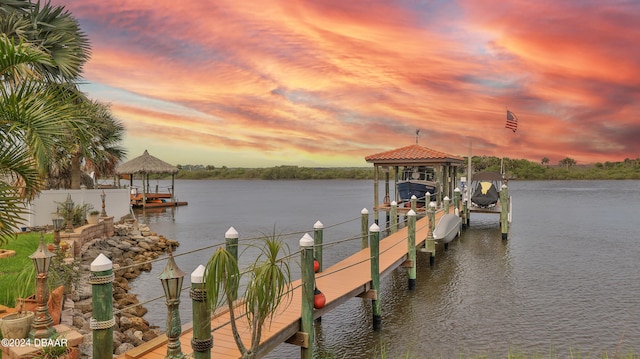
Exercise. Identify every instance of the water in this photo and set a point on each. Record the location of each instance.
(567, 278)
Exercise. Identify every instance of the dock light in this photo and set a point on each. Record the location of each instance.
(171, 278)
(41, 326)
(103, 196)
(68, 205)
(57, 220)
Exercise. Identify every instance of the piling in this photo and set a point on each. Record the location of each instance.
(102, 321)
(202, 341)
(504, 213)
(456, 198)
(446, 204)
(430, 242)
(414, 201)
(364, 228)
(374, 250)
(308, 286)
(231, 245)
(318, 233)
(412, 248)
(394, 217)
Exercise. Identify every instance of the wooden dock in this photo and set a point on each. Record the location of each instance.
(342, 281)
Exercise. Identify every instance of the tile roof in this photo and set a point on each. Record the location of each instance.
(413, 153)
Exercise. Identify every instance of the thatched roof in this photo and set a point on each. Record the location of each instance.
(146, 164)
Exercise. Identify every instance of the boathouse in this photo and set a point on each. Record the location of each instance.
(397, 161)
(146, 165)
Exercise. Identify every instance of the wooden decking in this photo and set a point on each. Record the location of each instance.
(342, 281)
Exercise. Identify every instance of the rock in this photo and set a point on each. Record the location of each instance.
(148, 335)
(79, 321)
(124, 245)
(123, 348)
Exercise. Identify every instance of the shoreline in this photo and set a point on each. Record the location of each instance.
(132, 247)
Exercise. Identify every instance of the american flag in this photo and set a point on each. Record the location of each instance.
(512, 121)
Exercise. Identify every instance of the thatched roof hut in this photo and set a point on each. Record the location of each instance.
(146, 165)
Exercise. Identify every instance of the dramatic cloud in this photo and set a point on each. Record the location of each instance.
(244, 83)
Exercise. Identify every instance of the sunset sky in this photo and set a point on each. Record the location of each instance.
(328, 82)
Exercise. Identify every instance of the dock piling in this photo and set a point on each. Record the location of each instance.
(365, 228)
(308, 286)
(394, 217)
(231, 245)
(446, 204)
(412, 248)
(102, 321)
(318, 233)
(504, 213)
(430, 242)
(374, 249)
(202, 340)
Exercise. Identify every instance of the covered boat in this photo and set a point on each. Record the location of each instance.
(485, 189)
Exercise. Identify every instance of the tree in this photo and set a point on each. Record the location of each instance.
(545, 161)
(265, 291)
(567, 162)
(43, 51)
(94, 142)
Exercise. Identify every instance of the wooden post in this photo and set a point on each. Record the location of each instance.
(430, 242)
(412, 248)
(504, 213)
(202, 341)
(386, 185)
(365, 228)
(439, 178)
(102, 321)
(376, 200)
(374, 250)
(318, 233)
(446, 204)
(456, 198)
(308, 286)
(394, 217)
(231, 245)
(414, 201)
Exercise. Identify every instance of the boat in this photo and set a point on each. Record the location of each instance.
(447, 228)
(485, 190)
(416, 181)
(153, 200)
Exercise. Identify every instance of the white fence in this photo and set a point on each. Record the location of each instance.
(42, 208)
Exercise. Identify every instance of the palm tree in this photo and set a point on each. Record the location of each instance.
(266, 290)
(42, 50)
(96, 142)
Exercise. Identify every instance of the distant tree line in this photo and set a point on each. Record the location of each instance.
(566, 169)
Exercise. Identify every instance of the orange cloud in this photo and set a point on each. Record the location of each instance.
(285, 81)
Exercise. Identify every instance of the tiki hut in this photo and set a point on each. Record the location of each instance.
(146, 165)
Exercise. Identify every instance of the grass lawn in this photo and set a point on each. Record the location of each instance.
(24, 245)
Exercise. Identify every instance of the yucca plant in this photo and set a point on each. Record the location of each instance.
(266, 290)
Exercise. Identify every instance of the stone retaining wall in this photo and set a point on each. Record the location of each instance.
(81, 235)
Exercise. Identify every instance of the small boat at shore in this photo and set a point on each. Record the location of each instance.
(447, 228)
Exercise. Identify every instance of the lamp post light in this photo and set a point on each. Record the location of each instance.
(57, 227)
(68, 204)
(102, 197)
(41, 326)
(171, 278)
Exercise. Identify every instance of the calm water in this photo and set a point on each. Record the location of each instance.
(567, 278)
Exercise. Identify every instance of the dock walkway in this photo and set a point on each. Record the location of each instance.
(340, 282)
